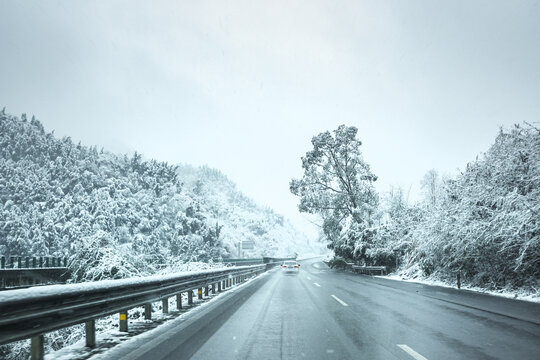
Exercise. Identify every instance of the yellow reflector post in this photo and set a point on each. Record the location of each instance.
(123, 317)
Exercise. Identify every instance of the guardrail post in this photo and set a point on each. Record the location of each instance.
(90, 329)
(27, 262)
(40, 262)
(148, 311)
(199, 293)
(19, 262)
(190, 297)
(3, 262)
(34, 263)
(179, 301)
(65, 262)
(206, 290)
(37, 351)
(12, 261)
(165, 307)
(124, 321)
(219, 287)
(459, 280)
(213, 288)
(46, 261)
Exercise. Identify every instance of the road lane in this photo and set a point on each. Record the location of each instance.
(286, 319)
(290, 318)
(320, 313)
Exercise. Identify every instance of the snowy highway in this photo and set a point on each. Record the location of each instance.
(325, 314)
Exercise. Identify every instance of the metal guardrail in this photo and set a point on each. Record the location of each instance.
(19, 278)
(369, 269)
(264, 260)
(25, 262)
(25, 271)
(30, 313)
(241, 262)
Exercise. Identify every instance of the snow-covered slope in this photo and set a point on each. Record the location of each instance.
(239, 217)
(118, 216)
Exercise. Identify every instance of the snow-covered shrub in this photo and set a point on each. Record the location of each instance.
(100, 257)
(486, 223)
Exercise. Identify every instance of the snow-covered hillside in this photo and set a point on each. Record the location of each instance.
(240, 218)
(117, 216)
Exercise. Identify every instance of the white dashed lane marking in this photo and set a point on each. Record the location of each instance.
(339, 300)
(317, 285)
(411, 352)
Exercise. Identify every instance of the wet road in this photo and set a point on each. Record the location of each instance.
(325, 314)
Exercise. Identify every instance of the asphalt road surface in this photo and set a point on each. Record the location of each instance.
(325, 314)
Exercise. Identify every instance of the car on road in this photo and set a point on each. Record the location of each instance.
(290, 266)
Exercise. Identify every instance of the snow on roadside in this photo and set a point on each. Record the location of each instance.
(518, 295)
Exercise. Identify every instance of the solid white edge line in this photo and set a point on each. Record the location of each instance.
(339, 300)
(411, 352)
(316, 284)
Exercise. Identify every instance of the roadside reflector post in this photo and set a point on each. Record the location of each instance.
(37, 351)
(459, 280)
(124, 321)
(219, 286)
(206, 290)
(90, 330)
(179, 301)
(148, 311)
(190, 297)
(199, 293)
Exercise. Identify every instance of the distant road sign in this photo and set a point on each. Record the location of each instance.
(248, 245)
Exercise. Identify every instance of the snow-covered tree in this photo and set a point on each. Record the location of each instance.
(338, 185)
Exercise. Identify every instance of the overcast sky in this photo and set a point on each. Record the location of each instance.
(243, 86)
